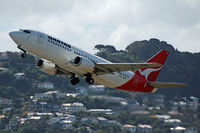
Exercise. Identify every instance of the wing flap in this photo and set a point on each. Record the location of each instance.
(166, 84)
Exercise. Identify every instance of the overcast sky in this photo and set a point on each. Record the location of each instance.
(85, 23)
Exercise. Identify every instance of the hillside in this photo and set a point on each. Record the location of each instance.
(179, 67)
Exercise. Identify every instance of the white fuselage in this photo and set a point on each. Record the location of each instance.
(62, 54)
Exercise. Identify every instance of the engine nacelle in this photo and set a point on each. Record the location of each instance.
(47, 67)
(84, 64)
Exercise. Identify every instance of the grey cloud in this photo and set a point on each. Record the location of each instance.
(117, 22)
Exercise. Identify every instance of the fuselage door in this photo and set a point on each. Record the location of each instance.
(40, 38)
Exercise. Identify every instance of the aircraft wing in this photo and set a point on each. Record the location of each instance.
(105, 68)
(63, 71)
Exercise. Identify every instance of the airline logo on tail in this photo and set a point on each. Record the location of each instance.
(148, 71)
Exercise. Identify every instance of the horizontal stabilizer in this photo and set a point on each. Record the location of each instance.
(166, 84)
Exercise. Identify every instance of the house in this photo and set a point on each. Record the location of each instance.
(1, 117)
(176, 105)
(89, 120)
(172, 122)
(19, 75)
(3, 70)
(159, 99)
(72, 94)
(163, 117)
(34, 118)
(69, 117)
(144, 128)
(193, 103)
(63, 117)
(5, 110)
(130, 128)
(178, 129)
(106, 111)
(31, 114)
(50, 94)
(46, 84)
(96, 88)
(102, 120)
(56, 93)
(54, 120)
(175, 113)
(66, 124)
(114, 122)
(73, 107)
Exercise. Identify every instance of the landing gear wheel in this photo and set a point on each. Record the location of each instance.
(23, 55)
(89, 80)
(75, 81)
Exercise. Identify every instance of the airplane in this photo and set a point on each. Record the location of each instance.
(58, 57)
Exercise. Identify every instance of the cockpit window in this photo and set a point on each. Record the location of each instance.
(27, 31)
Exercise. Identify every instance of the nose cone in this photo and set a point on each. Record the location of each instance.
(16, 36)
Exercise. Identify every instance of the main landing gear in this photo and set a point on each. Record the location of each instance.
(23, 55)
(89, 79)
(74, 80)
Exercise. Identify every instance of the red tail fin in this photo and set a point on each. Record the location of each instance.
(140, 80)
(152, 73)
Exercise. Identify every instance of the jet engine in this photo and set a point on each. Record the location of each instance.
(84, 64)
(47, 67)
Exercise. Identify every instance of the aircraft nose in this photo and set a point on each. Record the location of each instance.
(16, 36)
(13, 34)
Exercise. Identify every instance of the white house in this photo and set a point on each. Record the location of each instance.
(96, 88)
(106, 111)
(130, 128)
(163, 117)
(54, 120)
(144, 128)
(178, 129)
(193, 103)
(50, 94)
(172, 122)
(66, 124)
(73, 107)
(19, 75)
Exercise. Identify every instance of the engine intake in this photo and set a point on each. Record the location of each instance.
(84, 64)
(47, 67)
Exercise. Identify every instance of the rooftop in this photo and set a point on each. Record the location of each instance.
(127, 125)
(178, 128)
(145, 126)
